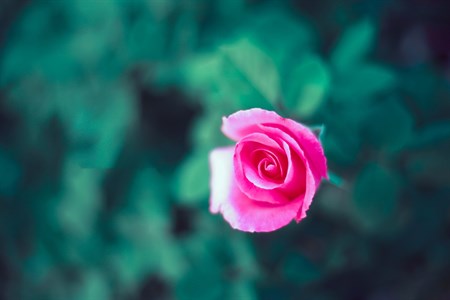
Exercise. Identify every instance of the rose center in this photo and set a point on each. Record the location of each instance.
(268, 165)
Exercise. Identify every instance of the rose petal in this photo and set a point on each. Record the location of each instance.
(252, 172)
(245, 164)
(237, 209)
(295, 181)
(247, 177)
(312, 151)
(242, 123)
(221, 167)
(307, 197)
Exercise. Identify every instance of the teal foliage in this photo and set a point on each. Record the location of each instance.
(108, 111)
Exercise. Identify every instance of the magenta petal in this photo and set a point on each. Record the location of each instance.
(295, 180)
(221, 167)
(270, 177)
(248, 182)
(247, 215)
(242, 123)
(307, 197)
(237, 209)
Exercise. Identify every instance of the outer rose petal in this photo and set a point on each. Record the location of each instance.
(244, 122)
(237, 209)
(221, 164)
(307, 197)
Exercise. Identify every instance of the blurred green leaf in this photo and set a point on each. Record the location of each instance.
(191, 182)
(300, 269)
(353, 46)
(80, 204)
(423, 84)
(319, 130)
(431, 135)
(128, 263)
(206, 284)
(206, 133)
(245, 257)
(10, 173)
(145, 202)
(185, 35)
(335, 179)
(307, 86)
(143, 226)
(209, 272)
(96, 131)
(146, 40)
(132, 260)
(202, 72)
(430, 166)
(375, 196)
(255, 67)
(38, 265)
(362, 83)
(161, 9)
(97, 13)
(341, 144)
(269, 25)
(241, 290)
(93, 286)
(230, 8)
(389, 125)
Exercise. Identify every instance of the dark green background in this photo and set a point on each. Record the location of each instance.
(108, 110)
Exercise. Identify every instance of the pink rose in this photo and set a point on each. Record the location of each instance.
(270, 176)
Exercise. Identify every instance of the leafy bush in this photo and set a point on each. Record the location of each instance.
(108, 110)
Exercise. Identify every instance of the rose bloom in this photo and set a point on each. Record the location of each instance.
(269, 177)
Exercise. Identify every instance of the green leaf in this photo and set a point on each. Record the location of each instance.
(185, 34)
(362, 83)
(322, 133)
(96, 13)
(319, 130)
(341, 144)
(230, 8)
(429, 167)
(191, 181)
(431, 135)
(80, 203)
(144, 199)
(205, 284)
(255, 66)
(335, 179)
(10, 173)
(206, 134)
(96, 132)
(389, 125)
(93, 286)
(201, 71)
(308, 85)
(208, 270)
(270, 23)
(241, 290)
(244, 257)
(300, 270)
(146, 40)
(132, 259)
(353, 46)
(375, 196)
(160, 9)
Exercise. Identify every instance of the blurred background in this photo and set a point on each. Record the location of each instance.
(108, 109)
